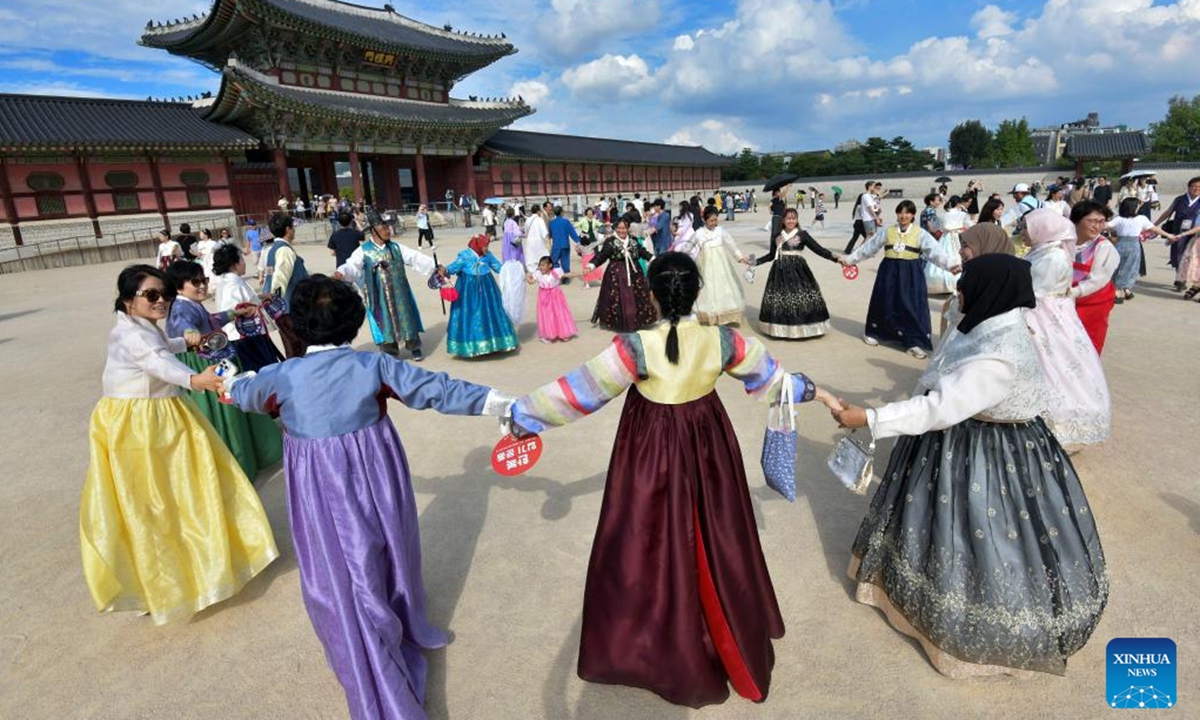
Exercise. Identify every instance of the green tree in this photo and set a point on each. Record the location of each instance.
(769, 165)
(970, 144)
(1012, 145)
(1177, 136)
(746, 167)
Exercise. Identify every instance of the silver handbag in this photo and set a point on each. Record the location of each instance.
(852, 463)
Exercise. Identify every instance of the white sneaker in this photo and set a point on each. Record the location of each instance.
(918, 353)
(870, 340)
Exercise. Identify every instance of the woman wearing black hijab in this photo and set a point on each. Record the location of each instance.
(979, 543)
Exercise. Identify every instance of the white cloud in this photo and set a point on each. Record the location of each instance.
(683, 42)
(571, 22)
(67, 89)
(626, 76)
(534, 91)
(990, 21)
(716, 135)
(540, 126)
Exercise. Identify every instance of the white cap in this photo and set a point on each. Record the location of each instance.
(1019, 187)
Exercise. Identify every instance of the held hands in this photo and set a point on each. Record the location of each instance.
(827, 399)
(207, 380)
(744, 260)
(192, 338)
(335, 276)
(849, 416)
(956, 270)
(245, 310)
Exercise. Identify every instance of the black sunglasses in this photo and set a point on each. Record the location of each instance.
(153, 295)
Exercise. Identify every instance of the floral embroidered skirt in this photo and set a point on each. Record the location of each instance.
(792, 304)
(980, 544)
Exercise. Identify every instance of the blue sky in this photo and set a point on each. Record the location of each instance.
(771, 74)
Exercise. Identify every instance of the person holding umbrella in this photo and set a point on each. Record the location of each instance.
(377, 267)
(837, 195)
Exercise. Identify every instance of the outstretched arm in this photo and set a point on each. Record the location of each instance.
(584, 390)
(747, 360)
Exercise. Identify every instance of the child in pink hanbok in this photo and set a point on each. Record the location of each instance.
(553, 313)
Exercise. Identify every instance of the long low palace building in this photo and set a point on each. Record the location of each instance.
(313, 93)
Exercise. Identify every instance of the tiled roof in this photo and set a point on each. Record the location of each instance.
(460, 112)
(1108, 145)
(46, 121)
(573, 148)
(381, 25)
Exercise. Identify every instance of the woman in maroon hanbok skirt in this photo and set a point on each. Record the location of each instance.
(678, 597)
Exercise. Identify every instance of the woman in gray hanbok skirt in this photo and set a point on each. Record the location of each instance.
(980, 543)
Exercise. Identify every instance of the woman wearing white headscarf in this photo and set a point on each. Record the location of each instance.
(1079, 409)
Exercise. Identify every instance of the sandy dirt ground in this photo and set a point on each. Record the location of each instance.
(505, 558)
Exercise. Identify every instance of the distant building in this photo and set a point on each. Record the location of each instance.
(939, 154)
(1050, 143)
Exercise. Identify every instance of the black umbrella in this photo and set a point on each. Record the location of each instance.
(779, 181)
(943, 179)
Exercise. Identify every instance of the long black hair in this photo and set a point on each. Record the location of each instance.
(675, 282)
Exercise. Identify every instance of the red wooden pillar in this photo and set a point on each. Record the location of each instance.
(281, 174)
(156, 179)
(469, 161)
(10, 207)
(422, 191)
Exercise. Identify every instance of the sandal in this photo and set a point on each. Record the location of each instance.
(1191, 292)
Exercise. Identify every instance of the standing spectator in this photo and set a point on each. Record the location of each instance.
(778, 208)
(345, 240)
(1055, 201)
(562, 238)
(1102, 192)
(282, 204)
(730, 207)
(1077, 194)
(489, 222)
(424, 231)
(837, 197)
(971, 199)
(536, 233)
(1182, 215)
(819, 216)
(168, 250)
(203, 250)
(1024, 201)
(186, 239)
(301, 211)
(662, 228)
(866, 211)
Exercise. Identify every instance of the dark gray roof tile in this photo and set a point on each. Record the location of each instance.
(53, 121)
(519, 143)
(1108, 145)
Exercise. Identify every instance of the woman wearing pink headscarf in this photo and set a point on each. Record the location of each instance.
(1079, 411)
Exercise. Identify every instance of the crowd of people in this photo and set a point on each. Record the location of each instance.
(1014, 383)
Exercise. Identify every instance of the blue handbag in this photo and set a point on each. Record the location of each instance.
(779, 443)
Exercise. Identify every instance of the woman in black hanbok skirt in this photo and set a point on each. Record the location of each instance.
(624, 301)
(792, 304)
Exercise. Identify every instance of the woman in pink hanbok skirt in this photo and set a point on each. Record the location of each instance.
(1079, 411)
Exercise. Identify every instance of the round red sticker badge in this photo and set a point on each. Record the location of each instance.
(513, 455)
(850, 272)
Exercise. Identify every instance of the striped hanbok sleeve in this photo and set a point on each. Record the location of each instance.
(747, 360)
(585, 389)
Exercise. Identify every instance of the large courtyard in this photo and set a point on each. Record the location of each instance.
(505, 558)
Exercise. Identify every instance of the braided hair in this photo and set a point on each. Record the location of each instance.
(675, 283)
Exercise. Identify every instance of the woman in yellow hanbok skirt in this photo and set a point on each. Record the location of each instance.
(168, 524)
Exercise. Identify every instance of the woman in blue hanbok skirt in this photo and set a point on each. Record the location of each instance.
(478, 323)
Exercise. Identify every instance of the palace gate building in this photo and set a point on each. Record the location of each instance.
(314, 95)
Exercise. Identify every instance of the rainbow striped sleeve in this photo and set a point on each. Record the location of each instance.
(585, 389)
(747, 360)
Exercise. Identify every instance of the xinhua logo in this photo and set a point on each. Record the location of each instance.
(1141, 673)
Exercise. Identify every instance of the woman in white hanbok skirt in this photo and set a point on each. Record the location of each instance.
(954, 221)
(1079, 410)
(721, 299)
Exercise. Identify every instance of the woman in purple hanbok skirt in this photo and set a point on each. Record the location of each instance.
(350, 499)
